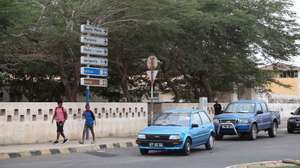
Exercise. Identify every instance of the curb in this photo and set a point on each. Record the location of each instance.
(278, 163)
(67, 150)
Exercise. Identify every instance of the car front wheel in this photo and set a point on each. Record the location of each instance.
(253, 132)
(290, 131)
(210, 144)
(187, 147)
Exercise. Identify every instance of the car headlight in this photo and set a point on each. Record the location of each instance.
(292, 120)
(141, 136)
(174, 137)
(243, 121)
(216, 121)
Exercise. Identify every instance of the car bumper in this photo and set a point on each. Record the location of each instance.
(231, 129)
(166, 144)
(294, 125)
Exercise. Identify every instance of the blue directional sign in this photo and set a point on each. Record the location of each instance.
(103, 72)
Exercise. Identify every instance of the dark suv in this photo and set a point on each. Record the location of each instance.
(294, 121)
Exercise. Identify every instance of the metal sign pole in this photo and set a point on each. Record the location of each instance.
(152, 103)
(87, 92)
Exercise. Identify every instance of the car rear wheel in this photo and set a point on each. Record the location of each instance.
(253, 132)
(210, 144)
(187, 147)
(273, 130)
(144, 151)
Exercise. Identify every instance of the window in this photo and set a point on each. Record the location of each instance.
(205, 118)
(264, 107)
(289, 74)
(196, 119)
(258, 107)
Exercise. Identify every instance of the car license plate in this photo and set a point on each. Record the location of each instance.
(227, 126)
(156, 145)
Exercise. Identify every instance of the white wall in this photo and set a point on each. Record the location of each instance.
(31, 122)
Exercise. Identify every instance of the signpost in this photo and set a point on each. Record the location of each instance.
(152, 63)
(94, 61)
(94, 48)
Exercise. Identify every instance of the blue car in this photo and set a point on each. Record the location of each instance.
(177, 130)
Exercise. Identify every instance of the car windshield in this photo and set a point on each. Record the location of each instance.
(172, 119)
(297, 112)
(240, 108)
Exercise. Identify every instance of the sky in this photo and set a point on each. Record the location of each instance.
(297, 10)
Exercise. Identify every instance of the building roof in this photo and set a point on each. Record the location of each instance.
(281, 67)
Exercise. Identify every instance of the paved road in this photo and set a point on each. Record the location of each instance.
(227, 152)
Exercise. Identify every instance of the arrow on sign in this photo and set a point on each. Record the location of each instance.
(94, 61)
(152, 75)
(93, 82)
(103, 72)
(100, 51)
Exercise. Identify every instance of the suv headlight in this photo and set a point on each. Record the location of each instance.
(292, 120)
(216, 121)
(174, 137)
(141, 136)
(243, 121)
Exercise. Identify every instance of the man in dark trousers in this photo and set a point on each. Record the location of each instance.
(217, 107)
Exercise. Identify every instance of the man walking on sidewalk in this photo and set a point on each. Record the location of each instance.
(89, 123)
(60, 115)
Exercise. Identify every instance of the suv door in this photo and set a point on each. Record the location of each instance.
(196, 131)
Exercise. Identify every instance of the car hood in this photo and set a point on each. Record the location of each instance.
(234, 115)
(164, 130)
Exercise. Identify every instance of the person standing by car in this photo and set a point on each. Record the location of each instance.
(89, 123)
(60, 115)
(217, 108)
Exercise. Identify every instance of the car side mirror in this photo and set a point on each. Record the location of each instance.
(195, 125)
(259, 112)
(292, 113)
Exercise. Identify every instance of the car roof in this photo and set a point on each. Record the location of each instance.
(182, 110)
(249, 101)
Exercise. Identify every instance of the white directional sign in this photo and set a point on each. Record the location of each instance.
(151, 76)
(94, 61)
(103, 41)
(100, 51)
(93, 30)
(93, 82)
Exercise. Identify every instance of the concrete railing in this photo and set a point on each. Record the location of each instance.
(31, 122)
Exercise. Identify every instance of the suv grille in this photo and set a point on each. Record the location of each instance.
(297, 119)
(157, 137)
(233, 121)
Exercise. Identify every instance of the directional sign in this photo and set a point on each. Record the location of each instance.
(103, 72)
(152, 62)
(103, 41)
(100, 51)
(93, 82)
(94, 61)
(152, 75)
(93, 30)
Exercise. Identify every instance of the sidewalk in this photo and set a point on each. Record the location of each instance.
(17, 151)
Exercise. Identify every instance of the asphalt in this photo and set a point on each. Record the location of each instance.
(228, 152)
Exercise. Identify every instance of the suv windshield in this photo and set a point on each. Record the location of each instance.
(172, 119)
(240, 108)
(297, 112)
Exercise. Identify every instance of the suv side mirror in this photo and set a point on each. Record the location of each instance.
(259, 112)
(292, 113)
(195, 125)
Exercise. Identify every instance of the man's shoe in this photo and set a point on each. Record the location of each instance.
(65, 140)
(55, 142)
(81, 142)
